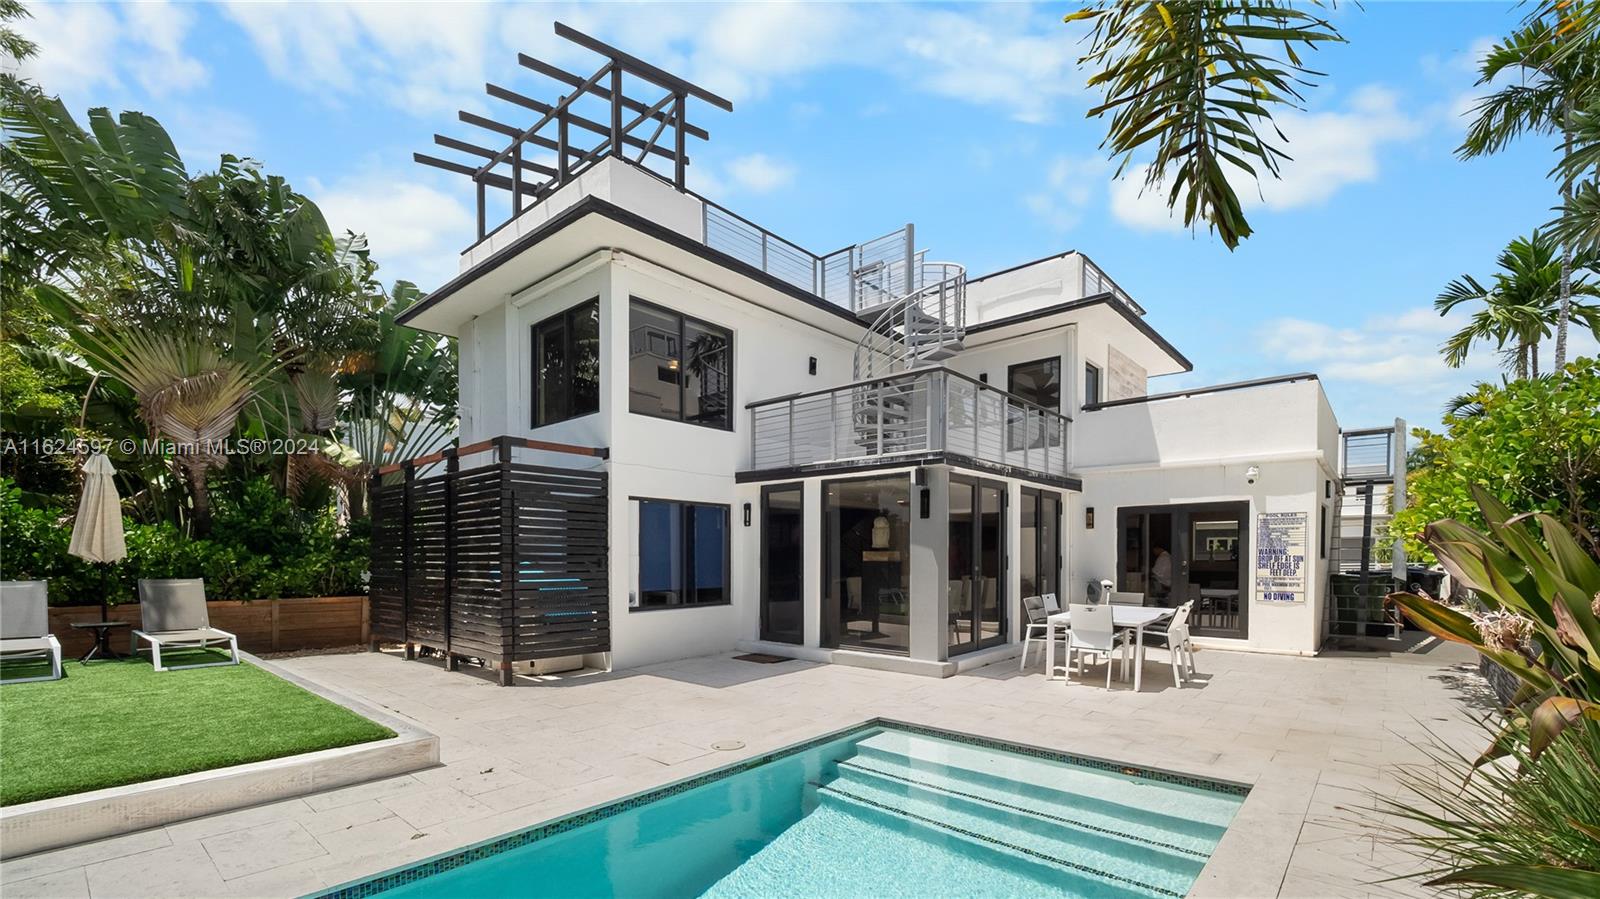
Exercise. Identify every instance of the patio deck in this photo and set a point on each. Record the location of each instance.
(1309, 733)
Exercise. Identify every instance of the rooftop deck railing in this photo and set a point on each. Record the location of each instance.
(927, 410)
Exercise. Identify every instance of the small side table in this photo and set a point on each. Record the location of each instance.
(102, 638)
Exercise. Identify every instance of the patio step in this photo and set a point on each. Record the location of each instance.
(1187, 818)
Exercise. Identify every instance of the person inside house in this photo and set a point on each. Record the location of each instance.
(1160, 574)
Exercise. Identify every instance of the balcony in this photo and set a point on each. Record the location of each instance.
(914, 415)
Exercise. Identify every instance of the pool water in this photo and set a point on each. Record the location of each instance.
(880, 811)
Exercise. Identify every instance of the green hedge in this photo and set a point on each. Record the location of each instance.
(261, 547)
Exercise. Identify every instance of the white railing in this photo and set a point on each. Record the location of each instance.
(927, 410)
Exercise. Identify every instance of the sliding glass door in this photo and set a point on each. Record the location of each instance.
(1039, 556)
(976, 556)
(866, 558)
(782, 563)
(1180, 553)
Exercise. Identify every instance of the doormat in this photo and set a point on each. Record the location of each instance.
(761, 658)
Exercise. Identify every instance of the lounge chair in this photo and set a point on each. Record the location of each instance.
(174, 616)
(25, 627)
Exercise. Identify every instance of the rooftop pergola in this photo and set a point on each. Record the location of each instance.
(562, 142)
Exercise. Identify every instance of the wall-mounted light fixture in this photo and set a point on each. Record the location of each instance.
(746, 514)
(926, 503)
(983, 377)
(1088, 518)
(812, 365)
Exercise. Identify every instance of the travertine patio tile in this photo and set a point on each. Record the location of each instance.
(83, 854)
(72, 883)
(176, 872)
(426, 807)
(250, 851)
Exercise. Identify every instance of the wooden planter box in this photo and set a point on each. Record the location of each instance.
(262, 625)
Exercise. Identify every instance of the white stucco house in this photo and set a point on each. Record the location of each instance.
(869, 457)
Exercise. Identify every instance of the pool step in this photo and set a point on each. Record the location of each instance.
(1183, 816)
(844, 846)
(1113, 864)
(1055, 831)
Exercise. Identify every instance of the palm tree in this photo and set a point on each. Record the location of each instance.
(1519, 307)
(1197, 82)
(1559, 69)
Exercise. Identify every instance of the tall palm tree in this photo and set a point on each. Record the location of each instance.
(1559, 77)
(1520, 304)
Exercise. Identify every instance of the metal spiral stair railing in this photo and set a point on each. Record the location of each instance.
(924, 325)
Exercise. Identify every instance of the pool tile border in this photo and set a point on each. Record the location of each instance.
(388, 880)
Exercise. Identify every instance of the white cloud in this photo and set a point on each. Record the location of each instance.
(760, 173)
(77, 46)
(427, 57)
(84, 46)
(1397, 352)
(412, 228)
(1329, 151)
(1071, 185)
(161, 28)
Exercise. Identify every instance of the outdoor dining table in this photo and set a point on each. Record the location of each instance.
(1134, 618)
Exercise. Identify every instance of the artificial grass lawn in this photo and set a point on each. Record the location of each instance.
(112, 723)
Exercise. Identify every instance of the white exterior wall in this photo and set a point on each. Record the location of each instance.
(1199, 449)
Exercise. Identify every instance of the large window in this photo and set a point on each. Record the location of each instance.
(679, 367)
(683, 554)
(566, 364)
(1038, 383)
(1040, 552)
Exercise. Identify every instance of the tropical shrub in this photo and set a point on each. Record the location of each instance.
(263, 546)
(1539, 615)
(1526, 826)
(1534, 444)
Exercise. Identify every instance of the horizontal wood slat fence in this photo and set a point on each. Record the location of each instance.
(505, 562)
(262, 625)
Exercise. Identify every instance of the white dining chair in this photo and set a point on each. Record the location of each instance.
(1127, 599)
(1091, 632)
(1178, 645)
(1035, 628)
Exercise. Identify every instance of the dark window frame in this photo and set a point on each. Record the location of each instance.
(1096, 398)
(685, 518)
(566, 317)
(1017, 440)
(764, 630)
(683, 347)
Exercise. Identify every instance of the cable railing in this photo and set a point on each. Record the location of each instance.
(923, 411)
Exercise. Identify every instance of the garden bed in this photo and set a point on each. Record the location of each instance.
(108, 724)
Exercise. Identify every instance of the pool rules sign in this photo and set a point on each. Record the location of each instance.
(1281, 557)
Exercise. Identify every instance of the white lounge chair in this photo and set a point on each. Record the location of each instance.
(1091, 632)
(174, 616)
(25, 627)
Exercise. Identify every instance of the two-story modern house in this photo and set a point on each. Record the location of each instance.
(866, 456)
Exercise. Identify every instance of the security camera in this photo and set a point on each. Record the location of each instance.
(1251, 473)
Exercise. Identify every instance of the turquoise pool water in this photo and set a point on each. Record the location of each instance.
(880, 811)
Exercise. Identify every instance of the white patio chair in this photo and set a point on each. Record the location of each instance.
(1091, 632)
(1036, 626)
(1127, 599)
(1178, 645)
(1051, 604)
(25, 627)
(174, 616)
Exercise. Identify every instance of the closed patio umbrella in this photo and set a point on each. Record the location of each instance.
(97, 532)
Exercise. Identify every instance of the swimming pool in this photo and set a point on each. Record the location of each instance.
(885, 809)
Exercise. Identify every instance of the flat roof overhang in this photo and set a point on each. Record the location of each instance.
(1146, 346)
(593, 224)
(909, 460)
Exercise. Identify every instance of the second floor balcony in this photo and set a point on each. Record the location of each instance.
(912, 415)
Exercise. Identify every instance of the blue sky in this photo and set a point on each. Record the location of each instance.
(852, 120)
